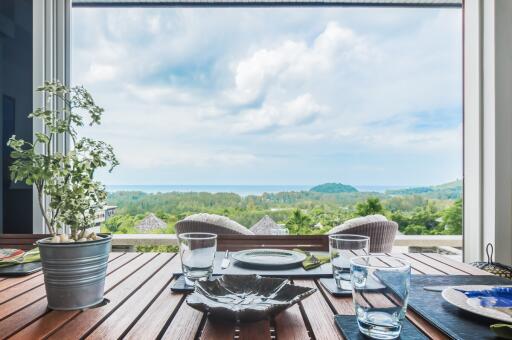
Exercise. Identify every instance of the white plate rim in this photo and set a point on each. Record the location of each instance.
(459, 299)
(300, 257)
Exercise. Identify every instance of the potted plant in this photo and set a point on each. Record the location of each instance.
(74, 260)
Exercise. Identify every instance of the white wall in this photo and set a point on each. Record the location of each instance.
(488, 128)
(499, 112)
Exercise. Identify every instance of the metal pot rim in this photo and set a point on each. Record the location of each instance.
(106, 238)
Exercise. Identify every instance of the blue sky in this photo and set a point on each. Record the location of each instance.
(364, 96)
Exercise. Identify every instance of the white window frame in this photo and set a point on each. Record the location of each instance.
(487, 129)
(51, 61)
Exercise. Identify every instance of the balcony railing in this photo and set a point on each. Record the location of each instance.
(445, 243)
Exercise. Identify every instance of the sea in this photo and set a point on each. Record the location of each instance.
(242, 190)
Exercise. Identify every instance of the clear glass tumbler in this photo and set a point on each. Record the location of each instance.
(342, 248)
(197, 252)
(380, 289)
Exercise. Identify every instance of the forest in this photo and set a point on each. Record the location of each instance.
(435, 210)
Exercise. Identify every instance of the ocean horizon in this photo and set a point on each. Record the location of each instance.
(242, 190)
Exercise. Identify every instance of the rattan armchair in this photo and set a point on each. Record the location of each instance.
(210, 223)
(381, 233)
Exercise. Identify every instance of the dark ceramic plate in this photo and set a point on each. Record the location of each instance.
(21, 269)
(269, 257)
(245, 297)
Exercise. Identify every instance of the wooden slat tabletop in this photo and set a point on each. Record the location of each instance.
(141, 306)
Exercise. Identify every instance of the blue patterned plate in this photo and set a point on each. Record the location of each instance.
(489, 301)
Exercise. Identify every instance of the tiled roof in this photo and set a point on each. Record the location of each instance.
(265, 226)
(151, 222)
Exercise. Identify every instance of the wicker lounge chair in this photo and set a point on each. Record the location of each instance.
(381, 231)
(210, 223)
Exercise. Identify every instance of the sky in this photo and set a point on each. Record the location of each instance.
(362, 96)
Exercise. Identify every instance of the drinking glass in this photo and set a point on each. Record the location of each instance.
(380, 289)
(342, 248)
(197, 252)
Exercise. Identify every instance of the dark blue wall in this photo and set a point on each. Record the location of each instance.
(15, 104)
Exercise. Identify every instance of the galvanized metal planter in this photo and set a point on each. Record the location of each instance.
(74, 273)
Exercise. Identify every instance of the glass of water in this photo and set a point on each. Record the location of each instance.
(380, 289)
(197, 252)
(342, 248)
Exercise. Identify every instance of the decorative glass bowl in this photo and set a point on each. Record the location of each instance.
(245, 297)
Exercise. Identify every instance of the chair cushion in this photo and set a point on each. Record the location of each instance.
(354, 222)
(221, 221)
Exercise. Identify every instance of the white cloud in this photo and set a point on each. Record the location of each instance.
(300, 110)
(141, 158)
(253, 74)
(159, 94)
(296, 61)
(447, 140)
(101, 72)
(300, 137)
(183, 88)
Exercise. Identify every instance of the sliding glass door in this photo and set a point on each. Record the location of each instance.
(16, 36)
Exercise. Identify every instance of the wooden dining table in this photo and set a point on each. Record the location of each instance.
(140, 305)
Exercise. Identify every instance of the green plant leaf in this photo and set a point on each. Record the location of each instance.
(67, 179)
(502, 330)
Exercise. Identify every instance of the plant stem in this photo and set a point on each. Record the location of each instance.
(43, 210)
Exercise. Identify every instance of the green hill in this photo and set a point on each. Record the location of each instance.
(332, 188)
(451, 190)
(455, 185)
(410, 191)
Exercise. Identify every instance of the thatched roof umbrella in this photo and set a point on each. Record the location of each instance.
(150, 223)
(265, 226)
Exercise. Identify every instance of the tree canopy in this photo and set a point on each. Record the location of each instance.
(333, 188)
(300, 212)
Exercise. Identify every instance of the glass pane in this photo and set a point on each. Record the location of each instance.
(15, 105)
(311, 116)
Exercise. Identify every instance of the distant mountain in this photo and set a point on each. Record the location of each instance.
(410, 191)
(457, 184)
(332, 188)
(451, 190)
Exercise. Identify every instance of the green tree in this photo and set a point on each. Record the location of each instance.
(452, 218)
(427, 216)
(423, 220)
(371, 206)
(401, 218)
(299, 223)
(415, 229)
(114, 223)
